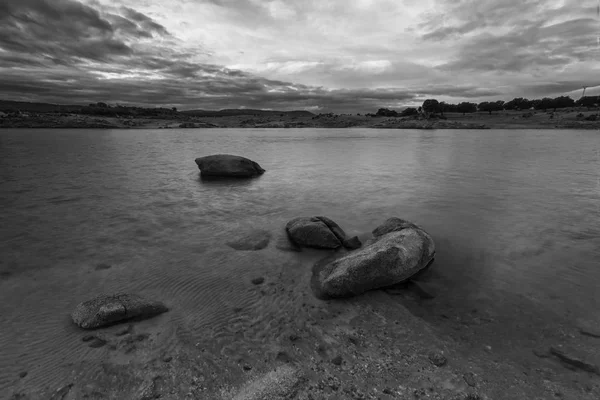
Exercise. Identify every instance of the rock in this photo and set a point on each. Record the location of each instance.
(312, 232)
(393, 258)
(281, 383)
(393, 224)
(258, 281)
(167, 359)
(102, 266)
(255, 240)
(225, 165)
(541, 352)
(61, 393)
(437, 358)
(573, 358)
(97, 342)
(589, 328)
(88, 338)
(334, 228)
(124, 331)
(469, 377)
(22, 374)
(107, 310)
(337, 360)
(352, 243)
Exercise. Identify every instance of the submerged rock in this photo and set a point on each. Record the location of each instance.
(226, 165)
(107, 310)
(255, 240)
(574, 358)
(393, 258)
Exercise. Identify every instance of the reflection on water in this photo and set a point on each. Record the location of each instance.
(513, 213)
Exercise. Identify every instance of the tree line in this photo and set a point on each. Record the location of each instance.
(432, 106)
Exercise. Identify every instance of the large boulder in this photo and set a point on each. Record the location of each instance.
(108, 310)
(394, 257)
(226, 165)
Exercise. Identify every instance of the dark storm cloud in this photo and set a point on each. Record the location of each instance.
(70, 31)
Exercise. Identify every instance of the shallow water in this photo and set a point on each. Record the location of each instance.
(514, 215)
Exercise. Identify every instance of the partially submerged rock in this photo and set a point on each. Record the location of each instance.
(312, 232)
(255, 240)
(107, 310)
(320, 233)
(226, 165)
(401, 250)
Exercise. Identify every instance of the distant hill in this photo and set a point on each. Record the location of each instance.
(7, 106)
(245, 111)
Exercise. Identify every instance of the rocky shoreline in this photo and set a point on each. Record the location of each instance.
(367, 338)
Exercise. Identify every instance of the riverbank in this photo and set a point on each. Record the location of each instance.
(569, 119)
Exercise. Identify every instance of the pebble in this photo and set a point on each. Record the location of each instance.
(97, 342)
(258, 281)
(437, 359)
(469, 377)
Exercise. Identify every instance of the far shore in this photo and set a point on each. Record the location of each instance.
(576, 118)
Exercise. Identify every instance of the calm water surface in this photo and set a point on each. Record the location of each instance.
(514, 215)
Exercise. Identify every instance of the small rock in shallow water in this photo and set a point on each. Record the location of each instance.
(589, 328)
(255, 240)
(573, 358)
(469, 377)
(107, 310)
(124, 331)
(258, 281)
(437, 358)
(97, 342)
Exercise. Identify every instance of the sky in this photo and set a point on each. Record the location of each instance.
(318, 55)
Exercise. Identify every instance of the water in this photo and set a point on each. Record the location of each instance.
(514, 215)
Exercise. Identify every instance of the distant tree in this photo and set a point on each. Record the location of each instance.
(588, 101)
(544, 104)
(384, 112)
(466, 107)
(431, 106)
(563, 102)
(518, 103)
(407, 112)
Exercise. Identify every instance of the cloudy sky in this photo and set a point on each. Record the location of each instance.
(319, 55)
